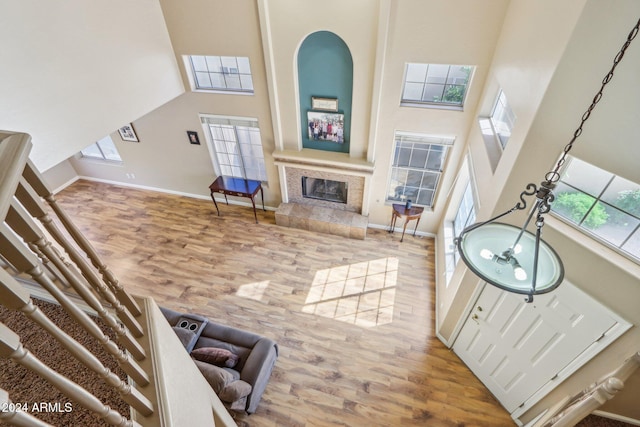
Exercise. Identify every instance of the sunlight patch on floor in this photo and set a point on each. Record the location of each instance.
(254, 291)
(361, 293)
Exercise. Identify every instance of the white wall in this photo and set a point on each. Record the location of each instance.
(74, 71)
(458, 32)
(60, 176)
(164, 158)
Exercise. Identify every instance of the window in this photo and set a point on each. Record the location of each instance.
(417, 165)
(436, 84)
(465, 216)
(236, 147)
(502, 119)
(104, 149)
(601, 204)
(227, 73)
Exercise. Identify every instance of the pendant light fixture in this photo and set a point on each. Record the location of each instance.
(510, 257)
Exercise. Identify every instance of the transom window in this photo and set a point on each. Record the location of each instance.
(417, 165)
(228, 73)
(601, 204)
(237, 147)
(436, 84)
(502, 119)
(104, 149)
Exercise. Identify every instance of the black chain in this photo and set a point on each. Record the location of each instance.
(554, 176)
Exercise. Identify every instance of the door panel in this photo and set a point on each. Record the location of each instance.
(515, 347)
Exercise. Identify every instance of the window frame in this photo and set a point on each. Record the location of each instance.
(450, 250)
(469, 219)
(445, 142)
(502, 100)
(195, 82)
(597, 199)
(103, 157)
(446, 85)
(213, 144)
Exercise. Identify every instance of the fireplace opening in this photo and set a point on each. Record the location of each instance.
(324, 189)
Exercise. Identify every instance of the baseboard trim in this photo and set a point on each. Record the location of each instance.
(166, 191)
(386, 227)
(65, 185)
(144, 187)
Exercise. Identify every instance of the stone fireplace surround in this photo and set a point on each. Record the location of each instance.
(320, 215)
(354, 194)
(293, 165)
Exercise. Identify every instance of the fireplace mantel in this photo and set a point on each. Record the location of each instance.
(356, 172)
(323, 160)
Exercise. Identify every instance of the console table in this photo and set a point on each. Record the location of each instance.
(239, 187)
(408, 215)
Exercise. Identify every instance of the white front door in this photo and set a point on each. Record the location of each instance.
(515, 348)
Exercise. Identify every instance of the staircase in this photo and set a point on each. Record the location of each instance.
(163, 387)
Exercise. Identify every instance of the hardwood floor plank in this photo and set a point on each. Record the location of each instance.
(354, 319)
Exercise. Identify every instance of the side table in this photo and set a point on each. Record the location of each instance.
(401, 211)
(239, 187)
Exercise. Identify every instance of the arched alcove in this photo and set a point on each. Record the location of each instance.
(325, 70)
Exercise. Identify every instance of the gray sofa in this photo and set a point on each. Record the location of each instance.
(240, 387)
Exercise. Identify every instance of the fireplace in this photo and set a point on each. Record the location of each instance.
(298, 178)
(324, 189)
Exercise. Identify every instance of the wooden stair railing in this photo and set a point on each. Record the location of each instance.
(33, 176)
(35, 249)
(36, 257)
(571, 410)
(26, 228)
(23, 260)
(34, 205)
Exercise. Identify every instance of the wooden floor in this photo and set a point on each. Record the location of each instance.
(354, 319)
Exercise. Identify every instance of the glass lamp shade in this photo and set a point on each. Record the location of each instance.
(483, 250)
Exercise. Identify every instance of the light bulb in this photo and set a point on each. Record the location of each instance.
(486, 254)
(520, 273)
(517, 249)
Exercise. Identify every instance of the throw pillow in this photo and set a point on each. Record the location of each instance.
(234, 391)
(217, 377)
(215, 356)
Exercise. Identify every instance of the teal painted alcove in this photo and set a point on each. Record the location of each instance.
(325, 70)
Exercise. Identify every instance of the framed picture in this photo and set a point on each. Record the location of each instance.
(325, 126)
(325, 104)
(128, 134)
(193, 137)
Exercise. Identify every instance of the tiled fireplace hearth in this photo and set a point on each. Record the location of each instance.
(341, 190)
